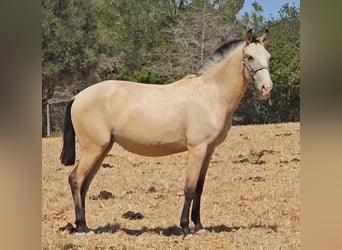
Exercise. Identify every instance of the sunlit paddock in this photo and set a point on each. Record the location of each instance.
(250, 198)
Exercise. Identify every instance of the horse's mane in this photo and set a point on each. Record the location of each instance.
(221, 53)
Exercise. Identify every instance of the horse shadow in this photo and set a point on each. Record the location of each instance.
(168, 231)
(113, 228)
(165, 231)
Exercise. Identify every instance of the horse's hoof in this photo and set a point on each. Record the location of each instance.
(89, 232)
(188, 236)
(80, 234)
(201, 231)
(80, 230)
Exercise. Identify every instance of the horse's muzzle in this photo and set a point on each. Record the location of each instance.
(266, 92)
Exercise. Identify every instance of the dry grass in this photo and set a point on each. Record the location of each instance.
(250, 198)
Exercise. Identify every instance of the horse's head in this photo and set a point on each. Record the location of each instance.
(255, 60)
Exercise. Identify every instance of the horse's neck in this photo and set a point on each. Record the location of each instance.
(227, 81)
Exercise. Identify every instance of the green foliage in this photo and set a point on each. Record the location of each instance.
(146, 76)
(73, 39)
(254, 20)
(152, 41)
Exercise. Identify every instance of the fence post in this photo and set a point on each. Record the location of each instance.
(48, 119)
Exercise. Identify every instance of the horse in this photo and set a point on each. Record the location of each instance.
(192, 114)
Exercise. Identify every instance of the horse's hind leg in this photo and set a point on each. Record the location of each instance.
(80, 179)
(92, 173)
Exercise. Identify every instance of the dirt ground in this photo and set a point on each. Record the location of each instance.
(250, 198)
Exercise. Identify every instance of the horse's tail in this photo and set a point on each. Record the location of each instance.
(68, 152)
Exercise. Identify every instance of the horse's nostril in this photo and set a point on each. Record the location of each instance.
(266, 88)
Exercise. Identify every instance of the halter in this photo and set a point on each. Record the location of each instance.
(250, 69)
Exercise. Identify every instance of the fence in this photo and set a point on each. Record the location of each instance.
(53, 116)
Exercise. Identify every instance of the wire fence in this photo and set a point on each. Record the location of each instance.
(53, 116)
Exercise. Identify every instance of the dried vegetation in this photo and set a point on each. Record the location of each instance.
(250, 198)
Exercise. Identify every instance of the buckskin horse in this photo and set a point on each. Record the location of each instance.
(193, 114)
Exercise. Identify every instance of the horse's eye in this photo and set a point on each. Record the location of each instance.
(250, 58)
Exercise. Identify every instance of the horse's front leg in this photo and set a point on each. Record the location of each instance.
(195, 213)
(196, 157)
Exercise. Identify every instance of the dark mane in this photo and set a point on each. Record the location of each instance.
(222, 52)
(225, 48)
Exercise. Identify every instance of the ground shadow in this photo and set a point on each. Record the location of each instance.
(168, 231)
(112, 228)
(223, 228)
(174, 230)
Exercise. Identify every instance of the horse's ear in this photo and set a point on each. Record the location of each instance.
(249, 36)
(265, 37)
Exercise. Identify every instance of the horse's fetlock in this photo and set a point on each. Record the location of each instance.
(184, 222)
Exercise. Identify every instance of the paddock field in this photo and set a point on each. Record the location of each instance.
(250, 198)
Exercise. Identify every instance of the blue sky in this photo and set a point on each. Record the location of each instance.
(270, 7)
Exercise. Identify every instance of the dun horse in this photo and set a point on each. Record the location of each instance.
(193, 114)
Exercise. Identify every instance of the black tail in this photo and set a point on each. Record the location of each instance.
(68, 152)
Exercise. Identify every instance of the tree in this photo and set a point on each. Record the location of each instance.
(200, 28)
(74, 41)
(254, 20)
(285, 64)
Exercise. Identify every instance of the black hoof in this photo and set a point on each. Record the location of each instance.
(82, 229)
(78, 229)
(198, 226)
(186, 232)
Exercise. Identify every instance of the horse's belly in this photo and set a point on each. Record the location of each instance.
(152, 148)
